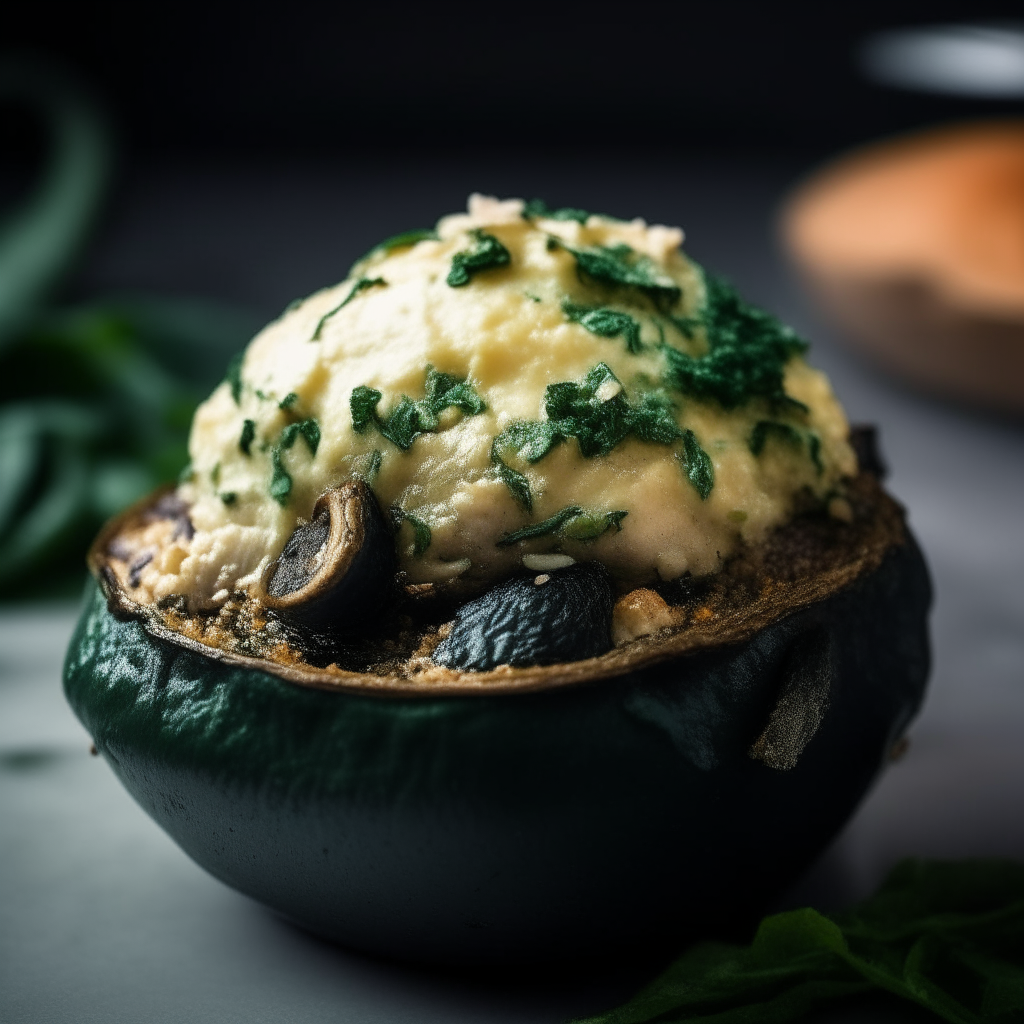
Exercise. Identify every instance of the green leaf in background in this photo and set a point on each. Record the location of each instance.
(40, 240)
(946, 936)
(95, 400)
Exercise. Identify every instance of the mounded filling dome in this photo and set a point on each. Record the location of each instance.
(521, 383)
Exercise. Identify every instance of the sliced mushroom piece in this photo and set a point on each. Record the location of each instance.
(541, 619)
(337, 571)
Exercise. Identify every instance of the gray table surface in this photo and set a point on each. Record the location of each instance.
(103, 919)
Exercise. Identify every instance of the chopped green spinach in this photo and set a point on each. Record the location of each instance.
(288, 401)
(591, 525)
(280, 478)
(487, 253)
(516, 482)
(248, 436)
(527, 440)
(595, 412)
(747, 353)
(409, 419)
(308, 430)
(697, 464)
(420, 531)
(538, 208)
(787, 434)
(363, 405)
(606, 323)
(368, 466)
(233, 376)
(685, 325)
(401, 241)
(361, 285)
(572, 522)
(618, 266)
(229, 498)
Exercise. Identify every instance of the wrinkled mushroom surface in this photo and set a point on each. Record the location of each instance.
(540, 619)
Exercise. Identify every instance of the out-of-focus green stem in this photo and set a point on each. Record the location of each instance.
(40, 239)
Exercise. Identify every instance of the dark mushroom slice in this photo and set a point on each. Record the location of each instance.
(541, 619)
(337, 571)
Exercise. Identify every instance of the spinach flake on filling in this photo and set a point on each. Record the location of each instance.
(367, 467)
(571, 522)
(247, 437)
(360, 286)
(409, 419)
(787, 434)
(420, 531)
(599, 420)
(233, 375)
(538, 208)
(405, 240)
(280, 480)
(747, 353)
(606, 323)
(487, 253)
(596, 412)
(619, 266)
(697, 465)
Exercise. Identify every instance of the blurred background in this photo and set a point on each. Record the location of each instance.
(171, 176)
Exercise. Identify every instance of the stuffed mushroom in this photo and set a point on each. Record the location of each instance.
(527, 596)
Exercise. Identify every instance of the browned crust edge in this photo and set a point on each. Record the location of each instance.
(776, 599)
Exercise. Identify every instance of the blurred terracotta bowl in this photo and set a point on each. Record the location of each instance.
(915, 247)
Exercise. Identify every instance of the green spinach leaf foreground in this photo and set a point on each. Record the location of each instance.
(946, 936)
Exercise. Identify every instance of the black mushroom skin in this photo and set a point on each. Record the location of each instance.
(540, 619)
(337, 571)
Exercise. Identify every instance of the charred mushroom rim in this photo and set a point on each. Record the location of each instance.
(594, 645)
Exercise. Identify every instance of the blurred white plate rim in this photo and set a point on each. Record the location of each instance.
(981, 61)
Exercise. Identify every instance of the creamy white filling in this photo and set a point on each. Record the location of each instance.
(507, 333)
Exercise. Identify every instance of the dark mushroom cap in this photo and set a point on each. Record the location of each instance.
(540, 619)
(336, 571)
